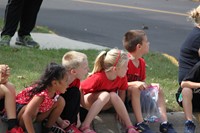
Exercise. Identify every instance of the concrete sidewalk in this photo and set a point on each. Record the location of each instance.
(104, 122)
(53, 41)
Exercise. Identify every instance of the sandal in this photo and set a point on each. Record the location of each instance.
(131, 129)
(86, 129)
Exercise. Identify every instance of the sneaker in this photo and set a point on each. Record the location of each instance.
(143, 128)
(26, 41)
(189, 127)
(56, 129)
(167, 128)
(5, 40)
(15, 130)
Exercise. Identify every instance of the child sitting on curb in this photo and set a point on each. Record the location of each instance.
(7, 100)
(137, 45)
(100, 88)
(41, 100)
(188, 96)
(76, 64)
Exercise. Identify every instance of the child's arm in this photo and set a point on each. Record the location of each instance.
(190, 84)
(137, 84)
(82, 98)
(78, 121)
(31, 112)
(122, 94)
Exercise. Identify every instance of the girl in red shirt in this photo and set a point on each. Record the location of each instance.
(100, 88)
(41, 100)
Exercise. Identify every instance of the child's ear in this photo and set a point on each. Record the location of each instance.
(54, 82)
(73, 71)
(138, 45)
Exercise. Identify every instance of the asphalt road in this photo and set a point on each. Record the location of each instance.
(104, 22)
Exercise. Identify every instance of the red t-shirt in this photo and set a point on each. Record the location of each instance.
(75, 83)
(136, 73)
(100, 82)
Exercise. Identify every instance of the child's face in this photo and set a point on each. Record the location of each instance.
(62, 84)
(121, 71)
(145, 45)
(82, 70)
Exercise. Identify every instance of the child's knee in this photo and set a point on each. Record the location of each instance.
(7, 88)
(114, 96)
(186, 92)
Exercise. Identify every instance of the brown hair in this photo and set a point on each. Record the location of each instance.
(132, 38)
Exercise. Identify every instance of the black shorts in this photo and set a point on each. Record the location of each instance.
(195, 101)
(2, 101)
(19, 107)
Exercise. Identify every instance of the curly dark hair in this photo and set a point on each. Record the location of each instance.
(52, 72)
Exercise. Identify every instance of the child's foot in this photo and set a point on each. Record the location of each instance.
(86, 129)
(72, 129)
(132, 129)
(143, 128)
(167, 128)
(189, 127)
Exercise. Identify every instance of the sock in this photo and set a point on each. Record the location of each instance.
(189, 121)
(12, 123)
(164, 122)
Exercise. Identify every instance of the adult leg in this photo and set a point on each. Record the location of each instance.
(12, 16)
(29, 16)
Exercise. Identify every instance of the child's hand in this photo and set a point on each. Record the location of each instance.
(64, 124)
(139, 85)
(119, 119)
(4, 73)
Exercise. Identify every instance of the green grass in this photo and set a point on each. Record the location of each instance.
(27, 64)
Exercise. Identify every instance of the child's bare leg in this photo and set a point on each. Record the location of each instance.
(120, 108)
(161, 105)
(187, 103)
(95, 103)
(53, 114)
(8, 91)
(136, 105)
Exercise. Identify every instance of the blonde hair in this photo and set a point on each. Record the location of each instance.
(194, 15)
(106, 60)
(73, 59)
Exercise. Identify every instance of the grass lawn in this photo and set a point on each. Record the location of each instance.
(27, 64)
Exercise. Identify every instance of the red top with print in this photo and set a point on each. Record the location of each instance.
(24, 98)
(136, 73)
(99, 82)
